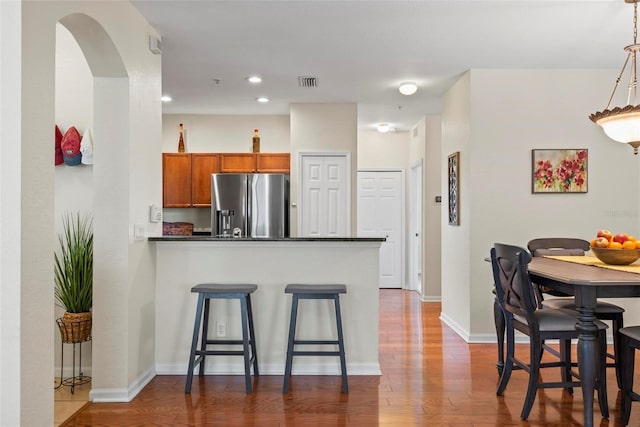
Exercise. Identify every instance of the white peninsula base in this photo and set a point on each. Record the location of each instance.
(270, 264)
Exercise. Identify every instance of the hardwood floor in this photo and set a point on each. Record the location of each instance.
(431, 377)
(67, 404)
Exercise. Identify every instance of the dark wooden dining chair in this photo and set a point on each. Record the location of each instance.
(517, 297)
(562, 246)
(629, 343)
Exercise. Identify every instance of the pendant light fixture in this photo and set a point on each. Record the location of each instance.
(622, 124)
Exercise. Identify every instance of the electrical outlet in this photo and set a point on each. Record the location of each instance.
(221, 328)
(139, 232)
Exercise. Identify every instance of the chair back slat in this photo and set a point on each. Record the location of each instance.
(558, 243)
(513, 285)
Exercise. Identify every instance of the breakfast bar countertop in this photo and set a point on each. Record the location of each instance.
(205, 238)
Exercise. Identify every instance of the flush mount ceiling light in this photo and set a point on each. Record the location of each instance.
(262, 99)
(622, 124)
(254, 79)
(166, 98)
(408, 88)
(383, 128)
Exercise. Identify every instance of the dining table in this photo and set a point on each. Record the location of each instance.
(587, 279)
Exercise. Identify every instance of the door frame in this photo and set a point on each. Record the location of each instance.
(300, 207)
(412, 283)
(403, 257)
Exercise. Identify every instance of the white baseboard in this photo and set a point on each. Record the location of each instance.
(122, 394)
(431, 298)
(274, 369)
(464, 334)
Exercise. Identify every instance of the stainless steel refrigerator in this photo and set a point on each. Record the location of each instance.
(254, 205)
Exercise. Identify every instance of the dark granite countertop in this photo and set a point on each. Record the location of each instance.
(278, 239)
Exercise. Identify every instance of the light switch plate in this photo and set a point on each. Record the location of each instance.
(155, 213)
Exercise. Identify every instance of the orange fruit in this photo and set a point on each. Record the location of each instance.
(633, 239)
(591, 242)
(629, 245)
(638, 244)
(615, 245)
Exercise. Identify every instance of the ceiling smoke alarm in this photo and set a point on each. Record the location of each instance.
(305, 81)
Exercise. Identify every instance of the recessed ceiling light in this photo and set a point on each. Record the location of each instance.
(165, 98)
(254, 79)
(384, 128)
(262, 99)
(408, 88)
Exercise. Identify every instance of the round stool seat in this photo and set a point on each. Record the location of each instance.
(315, 289)
(632, 332)
(224, 288)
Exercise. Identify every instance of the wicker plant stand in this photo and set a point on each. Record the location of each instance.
(73, 332)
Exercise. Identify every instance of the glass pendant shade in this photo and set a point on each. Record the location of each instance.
(622, 124)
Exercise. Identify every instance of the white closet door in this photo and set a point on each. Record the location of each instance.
(324, 196)
(380, 215)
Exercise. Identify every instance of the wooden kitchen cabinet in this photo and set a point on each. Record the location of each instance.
(186, 177)
(254, 162)
(176, 180)
(273, 162)
(202, 166)
(237, 162)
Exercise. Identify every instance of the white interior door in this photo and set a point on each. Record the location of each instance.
(380, 201)
(415, 233)
(325, 197)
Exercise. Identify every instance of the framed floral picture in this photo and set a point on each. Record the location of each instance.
(559, 171)
(453, 167)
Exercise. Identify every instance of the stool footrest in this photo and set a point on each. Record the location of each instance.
(312, 342)
(226, 342)
(220, 352)
(316, 353)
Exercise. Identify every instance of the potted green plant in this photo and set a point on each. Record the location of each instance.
(73, 276)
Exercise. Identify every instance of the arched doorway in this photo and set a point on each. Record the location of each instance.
(90, 188)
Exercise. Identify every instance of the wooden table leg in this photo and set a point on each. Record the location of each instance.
(587, 347)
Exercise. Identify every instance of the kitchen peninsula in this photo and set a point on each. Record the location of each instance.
(270, 263)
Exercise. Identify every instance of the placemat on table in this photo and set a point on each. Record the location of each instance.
(590, 260)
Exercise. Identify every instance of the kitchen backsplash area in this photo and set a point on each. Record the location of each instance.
(199, 217)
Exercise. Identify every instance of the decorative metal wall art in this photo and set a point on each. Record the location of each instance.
(453, 166)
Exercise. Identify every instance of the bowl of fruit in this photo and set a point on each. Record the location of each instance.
(618, 249)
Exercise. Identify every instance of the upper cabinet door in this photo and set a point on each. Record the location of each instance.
(176, 180)
(237, 162)
(274, 162)
(202, 166)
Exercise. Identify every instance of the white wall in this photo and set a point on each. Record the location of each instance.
(125, 191)
(431, 227)
(333, 127)
(456, 134)
(504, 119)
(225, 133)
(382, 150)
(11, 363)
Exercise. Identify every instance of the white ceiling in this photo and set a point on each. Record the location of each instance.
(360, 51)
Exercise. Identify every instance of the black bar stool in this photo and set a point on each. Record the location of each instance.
(206, 292)
(629, 339)
(326, 291)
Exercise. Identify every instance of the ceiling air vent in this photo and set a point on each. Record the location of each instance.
(305, 81)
